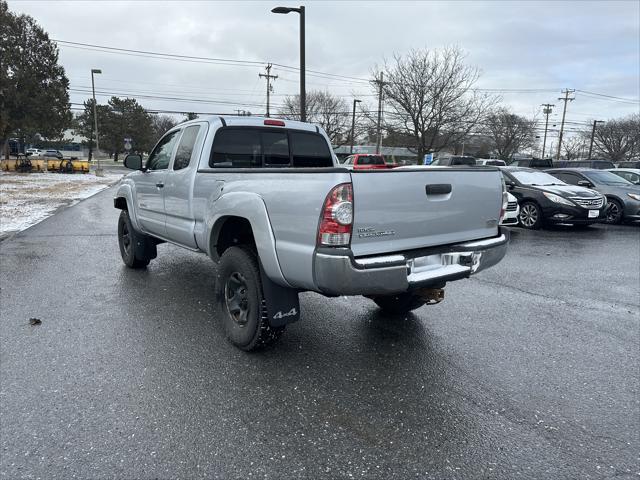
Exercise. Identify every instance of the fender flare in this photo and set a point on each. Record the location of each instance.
(251, 207)
(125, 191)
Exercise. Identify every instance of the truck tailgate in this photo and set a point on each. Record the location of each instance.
(397, 210)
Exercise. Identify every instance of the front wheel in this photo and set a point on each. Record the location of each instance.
(530, 216)
(128, 239)
(614, 213)
(241, 300)
(398, 304)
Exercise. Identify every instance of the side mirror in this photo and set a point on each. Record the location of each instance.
(133, 161)
(585, 183)
(510, 185)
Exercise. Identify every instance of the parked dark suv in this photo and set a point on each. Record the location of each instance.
(541, 163)
(629, 164)
(597, 164)
(544, 199)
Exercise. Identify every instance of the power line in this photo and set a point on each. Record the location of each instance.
(628, 100)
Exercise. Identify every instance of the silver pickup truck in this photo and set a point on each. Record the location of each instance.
(268, 200)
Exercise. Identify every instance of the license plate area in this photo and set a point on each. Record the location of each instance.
(594, 213)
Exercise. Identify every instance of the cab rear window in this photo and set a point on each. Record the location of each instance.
(254, 147)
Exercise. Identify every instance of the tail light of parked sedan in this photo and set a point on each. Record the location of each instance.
(336, 219)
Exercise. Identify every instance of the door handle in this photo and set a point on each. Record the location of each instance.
(160, 185)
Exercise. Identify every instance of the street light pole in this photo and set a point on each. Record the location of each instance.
(353, 123)
(95, 119)
(303, 94)
(593, 134)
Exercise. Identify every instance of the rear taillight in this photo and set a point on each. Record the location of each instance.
(336, 219)
(505, 201)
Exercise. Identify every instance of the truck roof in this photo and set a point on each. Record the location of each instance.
(246, 121)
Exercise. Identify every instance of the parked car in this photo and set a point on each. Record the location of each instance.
(452, 160)
(34, 152)
(541, 163)
(53, 153)
(629, 174)
(623, 196)
(491, 161)
(630, 164)
(362, 161)
(544, 199)
(513, 211)
(597, 164)
(268, 201)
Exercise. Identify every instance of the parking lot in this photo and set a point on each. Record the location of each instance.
(529, 370)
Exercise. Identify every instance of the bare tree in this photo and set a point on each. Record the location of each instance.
(332, 113)
(161, 124)
(617, 139)
(508, 133)
(430, 96)
(574, 147)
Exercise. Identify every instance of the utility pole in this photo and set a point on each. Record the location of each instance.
(593, 134)
(353, 123)
(566, 100)
(98, 170)
(380, 83)
(547, 111)
(268, 76)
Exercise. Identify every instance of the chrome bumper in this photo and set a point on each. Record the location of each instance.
(341, 274)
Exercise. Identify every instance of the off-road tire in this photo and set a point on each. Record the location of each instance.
(128, 238)
(398, 304)
(241, 300)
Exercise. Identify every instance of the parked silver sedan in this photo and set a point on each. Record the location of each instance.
(630, 174)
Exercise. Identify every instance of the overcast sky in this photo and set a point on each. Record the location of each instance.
(590, 46)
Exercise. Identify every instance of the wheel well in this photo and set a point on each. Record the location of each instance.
(612, 197)
(120, 203)
(231, 231)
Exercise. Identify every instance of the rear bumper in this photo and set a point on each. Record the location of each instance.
(340, 273)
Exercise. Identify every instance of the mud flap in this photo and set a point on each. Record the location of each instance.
(283, 305)
(145, 247)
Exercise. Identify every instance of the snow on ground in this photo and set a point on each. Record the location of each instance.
(28, 198)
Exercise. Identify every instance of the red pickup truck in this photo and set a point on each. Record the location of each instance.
(366, 161)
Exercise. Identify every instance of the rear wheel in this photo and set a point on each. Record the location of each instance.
(241, 300)
(530, 216)
(128, 238)
(614, 213)
(400, 303)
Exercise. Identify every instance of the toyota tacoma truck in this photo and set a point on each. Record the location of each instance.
(269, 202)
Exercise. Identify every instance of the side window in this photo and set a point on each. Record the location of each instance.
(275, 148)
(348, 161)
(236, 148)
(540, 163)
(571, 179)
(310, 150)
(185, 147)
(161, 155)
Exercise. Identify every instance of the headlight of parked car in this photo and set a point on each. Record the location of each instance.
(558, 199)
(635, 196)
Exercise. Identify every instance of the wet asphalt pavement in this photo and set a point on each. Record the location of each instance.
(529, 370)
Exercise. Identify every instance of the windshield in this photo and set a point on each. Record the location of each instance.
(536, 178)
(606, 178)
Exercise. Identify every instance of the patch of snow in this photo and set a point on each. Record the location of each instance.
(28, 198)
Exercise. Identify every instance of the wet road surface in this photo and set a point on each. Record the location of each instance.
(529, 370)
